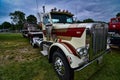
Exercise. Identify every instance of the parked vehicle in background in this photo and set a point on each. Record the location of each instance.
(29, 28)
(114, 32)
(35, 35)
(4, 30)
(35, 38)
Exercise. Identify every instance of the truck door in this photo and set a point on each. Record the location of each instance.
(48, 26)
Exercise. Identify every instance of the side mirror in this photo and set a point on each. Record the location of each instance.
(75, 19)
(48, 31)
(40, 25)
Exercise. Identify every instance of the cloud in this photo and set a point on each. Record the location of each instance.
(96, 9)
(6, 18)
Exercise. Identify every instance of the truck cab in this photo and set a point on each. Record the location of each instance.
(71, 46)
(114, 32)
(114, 25)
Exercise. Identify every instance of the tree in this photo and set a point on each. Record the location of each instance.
(89, 20)
(12, 28)
(6, 25)
(18, 18)
(78, 21)
(0, 26)
(32, 19)
(118, 14)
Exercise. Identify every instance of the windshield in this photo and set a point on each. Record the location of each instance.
(61, 18)
(116, 20)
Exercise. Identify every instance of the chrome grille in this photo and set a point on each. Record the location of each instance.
(99, 38)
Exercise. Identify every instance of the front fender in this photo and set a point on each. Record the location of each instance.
(73, 60)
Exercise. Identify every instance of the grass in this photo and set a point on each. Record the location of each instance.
(109, 70)
(19, 61)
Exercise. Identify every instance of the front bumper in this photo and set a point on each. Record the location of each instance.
(90, 62)
(115, 41)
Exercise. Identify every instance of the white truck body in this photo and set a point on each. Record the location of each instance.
(71, 46)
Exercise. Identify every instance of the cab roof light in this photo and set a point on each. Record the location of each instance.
(61, 11)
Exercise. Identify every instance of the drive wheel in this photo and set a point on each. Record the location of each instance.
(100, 60)
(61, 67)
(32, 43)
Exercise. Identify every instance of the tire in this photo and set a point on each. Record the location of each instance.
(24, 36)
(100, 60)
(41, 45)
(32, 43)
(61, 67)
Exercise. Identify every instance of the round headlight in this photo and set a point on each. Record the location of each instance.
(82, 51)
(85, 51)
(108, 41)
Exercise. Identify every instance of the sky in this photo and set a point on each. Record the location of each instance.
(98, 10)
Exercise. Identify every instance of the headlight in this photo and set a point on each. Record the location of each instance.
(82, 51)
(108, 41)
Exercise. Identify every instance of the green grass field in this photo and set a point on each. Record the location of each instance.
(20, 61)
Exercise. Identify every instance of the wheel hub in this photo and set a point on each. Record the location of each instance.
(59, 66)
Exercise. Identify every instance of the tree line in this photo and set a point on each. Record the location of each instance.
(19, 18)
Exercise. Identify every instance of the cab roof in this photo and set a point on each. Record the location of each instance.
(63, 13)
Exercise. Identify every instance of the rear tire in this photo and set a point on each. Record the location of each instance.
(24, 36)
(100, 60)
(33, 44)
(61, 66)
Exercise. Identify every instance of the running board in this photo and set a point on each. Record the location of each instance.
(44, 53)
(45, 50)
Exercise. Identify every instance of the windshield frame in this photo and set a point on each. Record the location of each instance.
(61, 18)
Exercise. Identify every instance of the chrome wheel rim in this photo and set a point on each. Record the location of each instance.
(59, 66)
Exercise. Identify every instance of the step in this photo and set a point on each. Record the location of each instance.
(44, 53)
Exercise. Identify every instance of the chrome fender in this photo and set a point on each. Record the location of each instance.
(73, 60)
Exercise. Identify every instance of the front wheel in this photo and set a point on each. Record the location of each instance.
(62, 67)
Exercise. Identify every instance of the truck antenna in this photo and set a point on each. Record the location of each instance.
(37, 5)
(37, 11)
(43, 9)
(76, 12)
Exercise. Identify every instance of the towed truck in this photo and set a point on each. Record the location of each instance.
(71, 46)
(35, 35)
(27, 28)
(114, 32)
(36, 38)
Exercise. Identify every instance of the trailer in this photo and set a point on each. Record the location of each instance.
(70, 46)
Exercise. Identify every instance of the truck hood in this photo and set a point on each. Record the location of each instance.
(66, 25)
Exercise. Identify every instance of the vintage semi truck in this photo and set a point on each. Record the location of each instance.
(114, 32)
(70, 46)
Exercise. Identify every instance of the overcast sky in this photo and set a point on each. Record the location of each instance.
(99, 10)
